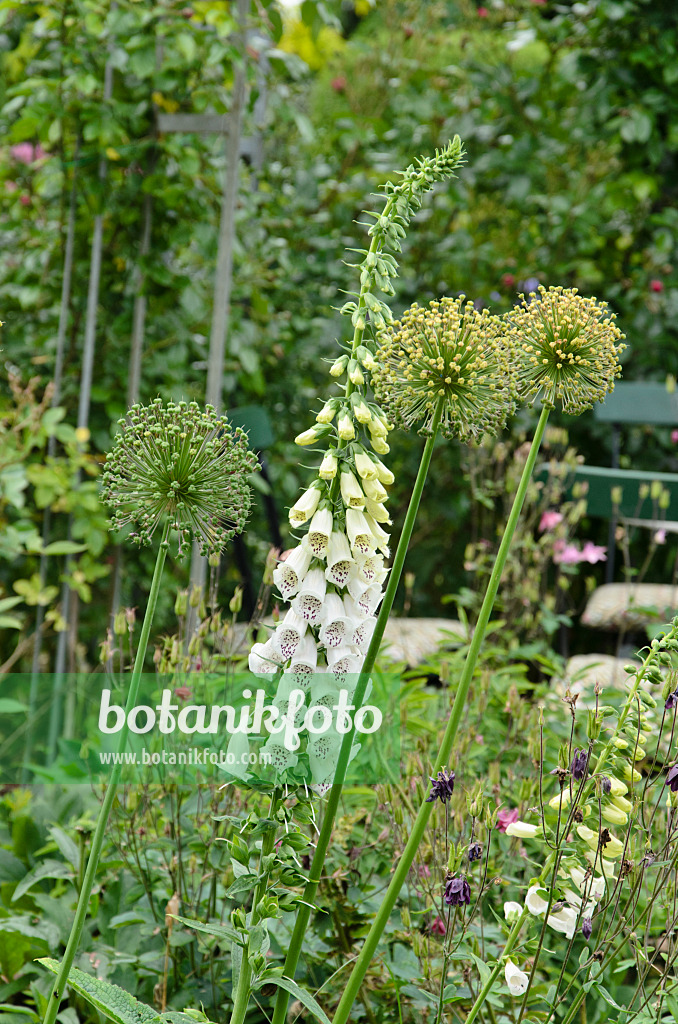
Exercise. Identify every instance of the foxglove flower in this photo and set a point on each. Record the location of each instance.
(288, 634)
(319, 532)
(442, 786)
(516, 980)
(304, 508)
(366, 467)
(265, 659)
(457, 892)
(360, 536)
(351, 491)
(309, 601)
(523, 829)
(177, 462)
(512, 911)
(289, 574)
(336, 627)
(339, 559)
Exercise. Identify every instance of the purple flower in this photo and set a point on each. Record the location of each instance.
(579, 764)
(475, 851)
(586, 928)
(672, 778)
(606, 785)
(442, 787)
(457, 892)
(671, 701)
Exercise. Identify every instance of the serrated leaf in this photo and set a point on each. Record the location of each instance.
(305, 998)
(118, 1005)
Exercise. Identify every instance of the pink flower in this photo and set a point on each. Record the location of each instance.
(660, 537)
(549, 520)
(23, 152)
(480, 739)
(566, 554)
(674, 436)
(25, 200)
(505, 818)
(508, 280)
(593, 553)
(182, 693)
(339, 83)
(438, 926)
(483, 12)
(656, 286)
(424, 871)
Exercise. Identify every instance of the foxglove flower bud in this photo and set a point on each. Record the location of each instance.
(305, 506)
(351, 491)
(328, 467)
(366, 467)
(384, 474)
(523, 830)
(345, 427)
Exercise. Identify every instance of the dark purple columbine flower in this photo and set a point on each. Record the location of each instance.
(579, 763)
(606, 784)
(672, 778)
(442, 787)
(671, 701)
(586, 928)
(457, 892)
(475, 851)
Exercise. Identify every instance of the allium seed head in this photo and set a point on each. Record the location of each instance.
(570, 348)
(177, 461)
(447, 351)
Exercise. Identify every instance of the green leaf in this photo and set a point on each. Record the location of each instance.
(63, 547)
(118, 1005)
(47, 869)
(8, 706)
(218, 931)
(305, 998)
(242, 884)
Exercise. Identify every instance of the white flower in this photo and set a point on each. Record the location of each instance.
(361, 411)
(522, 829)
(380, 536)
(336, 627)
(339, 559)
(370, 568)
(370, 600)
(384, 474)
(377, 428)
(309, 601)
(307, 437)
(327, 413)
(356, 586)
(378, 511)
(533, 901)
(516, 980)
(345, 427)
(362, 633)
(366, 467)
(305, 507)
(288, 634)
(319, 532)
(288, 575)
(351, 491)
(614, 814)
(343, 661)
(328, 467)
(265, 659)
(304, 664)
(374, 490)
(564, 920)
(360, 535)
(512, 911)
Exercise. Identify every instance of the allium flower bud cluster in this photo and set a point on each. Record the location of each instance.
(570, 347)
(448, 352)
(179, 462)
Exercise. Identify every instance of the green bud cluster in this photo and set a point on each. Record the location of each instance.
(176, 461)
(448, 351)
(568, 348)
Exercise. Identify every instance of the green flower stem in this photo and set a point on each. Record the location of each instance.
(59, 986)
(404, 864)
(243, 991)
(332, 804)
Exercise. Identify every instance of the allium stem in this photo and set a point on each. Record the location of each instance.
(102, 821)
(404, 864)
(332, 803)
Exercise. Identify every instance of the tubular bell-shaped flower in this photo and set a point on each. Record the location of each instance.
(289, 574)
(516, 979)
(570, 347)
(451, 351)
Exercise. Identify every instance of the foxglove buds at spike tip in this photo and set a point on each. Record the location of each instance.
(328, 411)
(313, 434)
(305, 506)
(379, 445)
(523, 830)
(355, 373)
(360, 410)
(345, 427)
(516, 979)
(351, 491)
(328, 467)
(366, 358)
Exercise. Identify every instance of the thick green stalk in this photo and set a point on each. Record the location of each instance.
(243, 991)
(419, 827)
(332, 804)
(102, 821)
